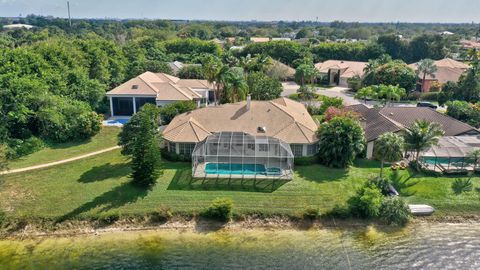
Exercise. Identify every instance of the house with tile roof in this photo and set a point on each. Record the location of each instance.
(338, 71)
(282, 119)
(156, 88)
(448, 70)
(377, 121)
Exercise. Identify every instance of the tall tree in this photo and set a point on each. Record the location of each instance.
(305, 73)
(388, 148)
(236, 87)
(475, 156)
(426, 67)
(140, 140)
(421, 136)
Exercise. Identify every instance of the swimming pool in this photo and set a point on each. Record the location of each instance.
(240, 169)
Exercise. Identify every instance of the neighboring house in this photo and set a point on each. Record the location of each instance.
(281, 39)
(448, 70)
(283, 119)
(259, 39)
(377, 121)
(470, 44)
(176, 66)
(159, 89)
(339, 71)
(17, 26)
(278, 68)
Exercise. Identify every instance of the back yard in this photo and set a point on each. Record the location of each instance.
(100, 184)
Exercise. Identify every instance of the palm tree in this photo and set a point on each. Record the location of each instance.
(388, 148)
(421, 136)
(305, 73)
(235, 86)
(366, 92)
(221, 78)
(391, 92)
(426, 67)
(475, 155)
(211, 67)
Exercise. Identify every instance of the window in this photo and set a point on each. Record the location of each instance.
(122, 106)
(263, 147)
(312, 149)
(297, 149)
(186, 149)
(172, 147)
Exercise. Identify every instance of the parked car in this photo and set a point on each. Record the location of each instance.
(427, 104)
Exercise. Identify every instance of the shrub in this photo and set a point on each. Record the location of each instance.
(367, 202)
(19, 148)
(310, 213)
(339, 212)
(430, 96)
(174, 157)
(394, 211)
(2, 218)
(462, 185)
(305, 161)
(191, 72)
(108, 218)
(382, 184)
(161, 215)
(328, 102)
(169, 111)
(220, 209)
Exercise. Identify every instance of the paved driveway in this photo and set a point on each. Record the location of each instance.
(340, 92)
(289, 88)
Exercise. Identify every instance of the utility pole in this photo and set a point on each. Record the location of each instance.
(69, 18)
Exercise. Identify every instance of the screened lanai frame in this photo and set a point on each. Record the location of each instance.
(451, 154)
(241, 155)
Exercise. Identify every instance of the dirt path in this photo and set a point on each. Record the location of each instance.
(59, 162)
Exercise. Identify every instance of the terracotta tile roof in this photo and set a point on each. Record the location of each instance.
(348, 69)
(393, 119)
(161, 86)
(282, 118)
(259, 39)
(448, 70)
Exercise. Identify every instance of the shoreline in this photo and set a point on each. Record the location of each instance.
(199, 225)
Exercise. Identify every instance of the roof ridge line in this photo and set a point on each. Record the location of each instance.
(148, 83)
(180, 90)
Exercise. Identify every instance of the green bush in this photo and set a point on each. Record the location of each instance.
(460, 186)
(160, 216)
(2, 218)
(108, 218)
(367, 202)
(395, 211)
(383, 184)
(220, 209)
(339, 211)
(305, 161)
(174, 157)
(19, 148)
(310, 213)
(429, 96)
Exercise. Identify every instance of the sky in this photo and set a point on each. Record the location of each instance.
(455, 11)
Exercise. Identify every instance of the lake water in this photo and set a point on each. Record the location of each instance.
(419, 246)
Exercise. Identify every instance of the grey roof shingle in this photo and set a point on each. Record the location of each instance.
(378, 121)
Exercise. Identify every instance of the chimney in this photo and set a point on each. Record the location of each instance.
(249, 100)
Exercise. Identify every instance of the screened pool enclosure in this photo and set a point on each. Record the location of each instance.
(451, 154)
(240, 155)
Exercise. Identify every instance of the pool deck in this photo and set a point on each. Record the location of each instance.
(200, 173)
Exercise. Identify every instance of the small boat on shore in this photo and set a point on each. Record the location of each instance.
(421, 209)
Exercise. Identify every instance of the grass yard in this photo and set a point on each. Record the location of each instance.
(100, 185)
(106, 138)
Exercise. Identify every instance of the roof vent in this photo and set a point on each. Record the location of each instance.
(135, 86)
(262, 129)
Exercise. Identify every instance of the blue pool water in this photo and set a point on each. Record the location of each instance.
(443, 160)
(115, 122)
(240, 169)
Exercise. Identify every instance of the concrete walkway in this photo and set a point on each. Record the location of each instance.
(31, 168)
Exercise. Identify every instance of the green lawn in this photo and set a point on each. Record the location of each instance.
(105, 139)
(100, 184)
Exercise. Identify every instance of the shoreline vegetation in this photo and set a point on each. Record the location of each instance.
(77, 228)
